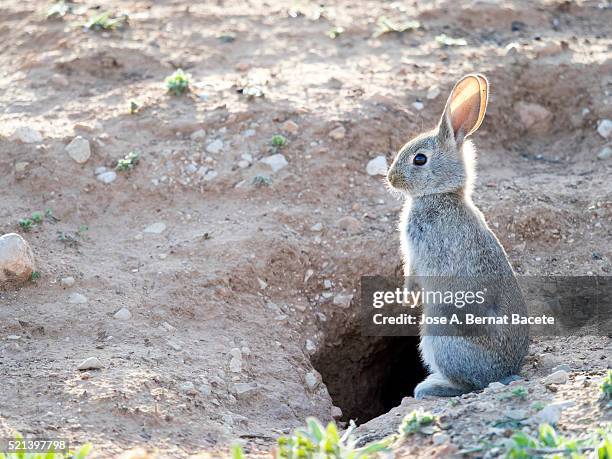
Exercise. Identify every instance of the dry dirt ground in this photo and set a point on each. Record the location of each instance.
(239, 271)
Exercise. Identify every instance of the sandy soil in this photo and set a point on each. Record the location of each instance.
(240, 266)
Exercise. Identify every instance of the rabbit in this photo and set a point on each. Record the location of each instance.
(444, 235)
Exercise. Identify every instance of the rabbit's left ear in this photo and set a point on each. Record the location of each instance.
(466, 106)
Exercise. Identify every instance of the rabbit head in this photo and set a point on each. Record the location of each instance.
(442, 160)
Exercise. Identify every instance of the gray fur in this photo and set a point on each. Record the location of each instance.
(444, 235)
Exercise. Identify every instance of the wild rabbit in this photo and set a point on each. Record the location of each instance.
(444, 235)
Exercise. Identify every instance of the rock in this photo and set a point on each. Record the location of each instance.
(175, 345)
(123, 314)
(215, 146)
(433, 92)
(562, 367)
(188, 388)
(343, 300)
(16, 259)
(535, 118)
(236, 360)
(79, 149)
(205, 389)
(276, 162)
(236, 352)
(210, 175)
(418, 105)
(558, 377)
(337, 133)
(290, 127)
(349, 224)
(336, 412)
(155, 228)
(517, 414)
(247, 157)
(317, 227)
(90, 363)
(439, 438)
(551, 413)
(21, 166)
(27, 134)
(242, 164)
(605, 153)
(200, 134)
(243, 388)
(311, 347)
(604, 128)
(107, 177)
(548, 48)
(67, 282)
(77, 298)
(311, 380)
(377, 166)
(496, 386)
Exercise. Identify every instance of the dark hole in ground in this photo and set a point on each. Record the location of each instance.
(367, 376)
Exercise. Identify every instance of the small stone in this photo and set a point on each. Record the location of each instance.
(21, 166)
(558, 377)
(317, 227)
(188, 388)
(13, 337)
(276, 162)
(343, 300)
(215, 146)
(349, 224)
(155, 228)
(439, 438)
(123, 314)
(433, 92)
(247, 157)
(168, 327)
(308, 275)
(249, 133)
(535, 118)
(243, 164)
(512, 49)
(290, 127)
(262, 283)
(27, 134)
(235, 365)
(336, 412)
(16, 259)
(200, 134)
(175, 346)
(327, 283)
(90, 363)
(604, 128)
(549, 48)
(107, 177)
(205, 390)
(377, 166)
(337, 133)
(311, 380)
(311, 347)
(605, 153)
(77, 298)
(67, 282)
(418, 105)
(79, 149)
(243, 388)
(562, 367)
(100, 170)
(496, 386)
(236, 352)
(517, 414)
(210, 175)
(551, 413)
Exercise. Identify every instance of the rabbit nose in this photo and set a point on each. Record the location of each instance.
(394, 177)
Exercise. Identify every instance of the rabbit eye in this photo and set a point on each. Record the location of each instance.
(419, 159)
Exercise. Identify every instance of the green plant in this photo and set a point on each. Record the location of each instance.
(58, 10)
(335, 32)
(37, 217)
(178, 82)
(237, 452)
(134, 107)
(261, 180)
(35, 276)
(385, 25)
(445, 40)
(606, 386)
(128, 162)
(518, 392)
(279, 141)
(317, 442)
(418, 421)
(104, 21)
(26, 224)
(538, 405)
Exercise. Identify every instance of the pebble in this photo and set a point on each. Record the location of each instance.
(107, 177)
(317, 227)
(175, 346)
(558, 377)
(337, 133)
(276, 162)
(605, 153)
(311, 380)
(236, 360)
(215, 146)
(27, 134)
(21, 166)
(249, 133)
(155, 228)
(247, 157)
(243, 388)
(551, 413)
(496, 386)
(535, 118)
(200, 134)
(290, 127)
(377, 166)
(311, 347)
(77, 298)
(16, 259)
(604, 128)
(205, 390)
(418, 105)
(343, 300)
(439, 438)
(349, 224)
(67, 282)
(336, 412)
(210, 175)
(188, 388)
(90, 363)
(123, 314)
(243, 164)
(562, 367)
(79, 149)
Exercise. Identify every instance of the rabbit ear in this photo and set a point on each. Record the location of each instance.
(466, 106)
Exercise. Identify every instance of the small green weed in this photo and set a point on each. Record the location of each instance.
(35, 276)
(518, 392)
(37, 217)
(316, 441)
(178, 82)
(26, 224)
(237, 452)
(128, 162)
(58, 10)
(104, 22)
(606, 386)
(418, 421)
(134, 107)
(261, 180)
(279, 141)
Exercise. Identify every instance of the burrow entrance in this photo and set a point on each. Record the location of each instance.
(368, 376)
